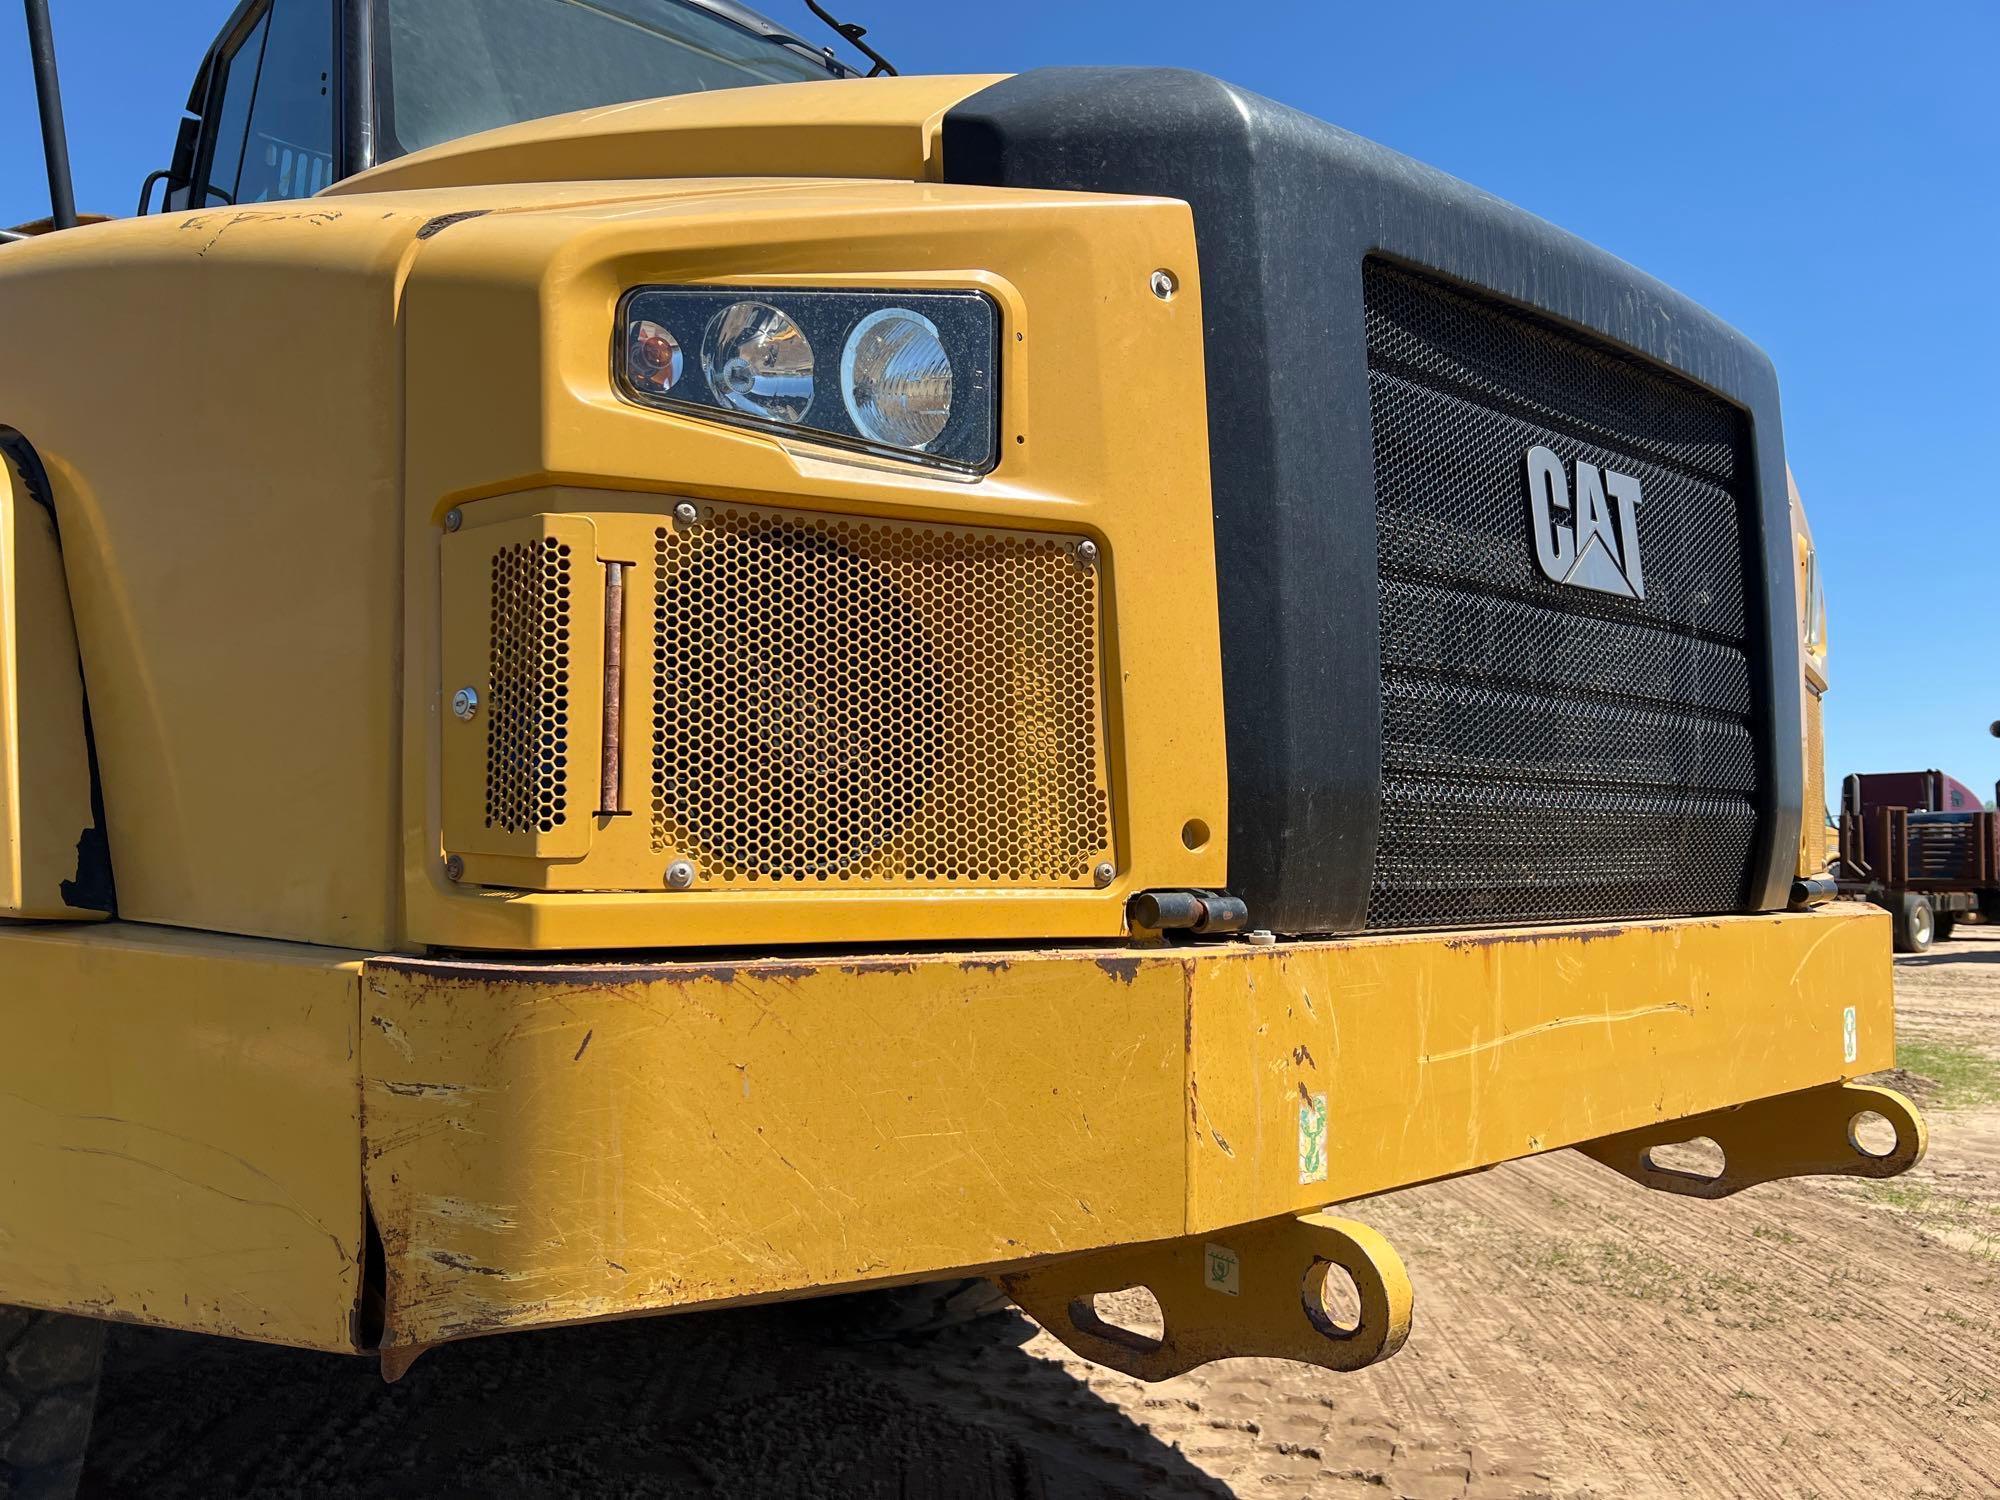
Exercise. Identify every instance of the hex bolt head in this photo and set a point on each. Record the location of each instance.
(680, 875)
(1164, 284)
(1105, 872)
(454, 868)
(1260, 937)
(453, 519)
(1086, 554)
(465, 703)
(686, 514)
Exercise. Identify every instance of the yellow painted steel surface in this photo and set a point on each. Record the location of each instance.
(553, 1143)
(226, 482)
(180, 1116)
(44, 764)
(1438, 1053)
(1103, 436)
(259, 620)
(877, 127)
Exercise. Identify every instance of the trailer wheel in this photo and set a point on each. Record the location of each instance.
(49, 1364)
(1916, 924)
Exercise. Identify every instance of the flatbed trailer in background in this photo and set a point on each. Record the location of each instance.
(1918, 844)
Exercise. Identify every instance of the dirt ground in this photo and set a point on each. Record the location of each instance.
(1575, 1336)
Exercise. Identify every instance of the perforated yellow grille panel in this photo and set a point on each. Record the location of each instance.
(521, 695)
(838, 700)
(527, 721)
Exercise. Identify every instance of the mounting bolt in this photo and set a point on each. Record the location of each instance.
(454, 868)
(1086, 554)
(1164, 284)
(680, 875)
(453, 519)
(1105, 872)
(1260, 937)
(465, 703)
(686, 514)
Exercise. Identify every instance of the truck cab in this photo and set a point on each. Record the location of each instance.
(665, 675)
(296, 94)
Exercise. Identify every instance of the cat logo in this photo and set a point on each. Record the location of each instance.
(1579, 544)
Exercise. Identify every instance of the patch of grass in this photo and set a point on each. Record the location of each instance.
(1634, 1270)
(1964, 1076)
(1910, 1197)
(1970, 1223)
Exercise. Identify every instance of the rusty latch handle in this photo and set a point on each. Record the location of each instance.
(611, 796)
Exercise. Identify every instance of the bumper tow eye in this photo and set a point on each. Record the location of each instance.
(1261, 1289)
(1814, 1132)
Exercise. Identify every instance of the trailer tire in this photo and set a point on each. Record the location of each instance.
(49, 1364)
(1916, 924)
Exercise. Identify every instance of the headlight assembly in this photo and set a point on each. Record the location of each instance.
(906, 374)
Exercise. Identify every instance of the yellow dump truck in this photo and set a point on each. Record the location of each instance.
(642, 673)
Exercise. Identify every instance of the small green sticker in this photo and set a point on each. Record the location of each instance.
(1312, 1139)
(1225, 1272)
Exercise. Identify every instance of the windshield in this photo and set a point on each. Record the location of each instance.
(453, 67)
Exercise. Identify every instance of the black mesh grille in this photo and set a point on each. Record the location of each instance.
(1550, 751)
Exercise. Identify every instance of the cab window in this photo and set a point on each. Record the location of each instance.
(450, 68)
(229, 108)
(273, 108)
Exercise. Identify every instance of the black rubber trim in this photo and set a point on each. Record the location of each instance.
(91, 888)
(1286, 208)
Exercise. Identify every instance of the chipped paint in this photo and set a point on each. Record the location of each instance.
(413, 1090)
(437, 226)
(806, 1124)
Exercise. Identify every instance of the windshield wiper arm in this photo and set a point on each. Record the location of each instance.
(852, 35)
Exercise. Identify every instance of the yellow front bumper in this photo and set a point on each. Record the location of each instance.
(196, 1123)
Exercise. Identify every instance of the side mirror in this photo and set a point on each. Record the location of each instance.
(180, 175)
(166, 175)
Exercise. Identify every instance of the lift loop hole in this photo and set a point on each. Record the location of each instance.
(1130, 1317)
(1873, 1134)
(1332, 1299)
(1699, 1159)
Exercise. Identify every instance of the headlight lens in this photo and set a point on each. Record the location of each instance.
(758, 362)
(916, 378)
(896, 378)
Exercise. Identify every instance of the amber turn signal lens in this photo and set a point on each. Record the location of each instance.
(654, 362)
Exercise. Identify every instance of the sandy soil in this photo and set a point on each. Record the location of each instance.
(1575, 1336)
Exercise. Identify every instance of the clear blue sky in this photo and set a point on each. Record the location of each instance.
(1826, 176)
